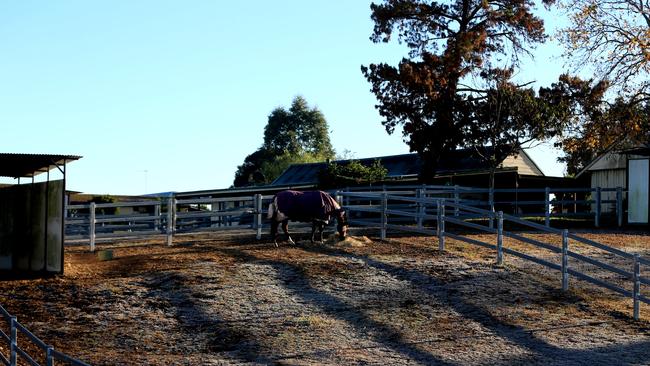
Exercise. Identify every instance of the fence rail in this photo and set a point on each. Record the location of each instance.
(163, 217)
(544, 203)
(408, 207)
(17, 353)
(423, 209)
(167, 217)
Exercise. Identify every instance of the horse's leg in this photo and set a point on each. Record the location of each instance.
(274, 231)
(285, 228)
(321, 227)
(313, 231)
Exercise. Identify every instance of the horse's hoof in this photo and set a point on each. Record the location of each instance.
(276, 244)
(292, 242)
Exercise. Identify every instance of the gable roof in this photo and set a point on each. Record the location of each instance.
(402, 166)
(614, 157)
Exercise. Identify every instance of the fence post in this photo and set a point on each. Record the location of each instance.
(547, 206)
(258, 215)
(637, 286)
(499, 237)
(49, 359)
(441, 225)
(598, 208)
(619, 205)
(565, 260)
(13, 341)
(456, 201)
(171, 219)
(491, 203)
(384, 217)
(91, 228)
(156, 213)
(419, 207)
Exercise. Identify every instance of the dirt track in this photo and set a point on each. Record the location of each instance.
(215, 299)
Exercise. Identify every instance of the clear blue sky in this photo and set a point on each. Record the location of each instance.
(172, 95)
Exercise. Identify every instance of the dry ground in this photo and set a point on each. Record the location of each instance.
(214, 299)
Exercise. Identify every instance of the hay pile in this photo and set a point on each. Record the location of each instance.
(333, 240)
(349, 241)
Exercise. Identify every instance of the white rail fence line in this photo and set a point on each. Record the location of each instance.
(173, 216)
(578, 202)
(167, 217)
(418, 210)
(16, 352)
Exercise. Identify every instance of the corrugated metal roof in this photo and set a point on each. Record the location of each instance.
(29, 165)
(398, 166)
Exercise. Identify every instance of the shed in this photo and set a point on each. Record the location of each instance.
(627, 168)
(32, 214)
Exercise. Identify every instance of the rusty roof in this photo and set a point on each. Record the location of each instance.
(29, 165)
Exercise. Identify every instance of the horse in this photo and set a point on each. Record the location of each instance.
(317, 207)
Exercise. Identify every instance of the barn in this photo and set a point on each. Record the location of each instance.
(32, 213)
(460, 167)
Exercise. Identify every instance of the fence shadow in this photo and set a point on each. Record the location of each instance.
(222, 336)
(295, 280)
(633, 353)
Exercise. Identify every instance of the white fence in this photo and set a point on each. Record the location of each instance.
(16, 353)
(412, 214)
(163, 217)
(544, 203)
(408, 207)
(169, 216)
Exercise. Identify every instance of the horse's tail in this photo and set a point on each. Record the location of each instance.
(272, 209)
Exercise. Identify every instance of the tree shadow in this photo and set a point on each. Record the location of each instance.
(223, 337)
(296, 281)
(633, 353)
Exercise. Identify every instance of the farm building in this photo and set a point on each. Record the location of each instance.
(460, 167)
(32, 214)
(626, 168)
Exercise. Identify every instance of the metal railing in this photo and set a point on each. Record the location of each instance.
(97, 221)
(17, 353)
(170, 216)
(411, 214)
(544, 203)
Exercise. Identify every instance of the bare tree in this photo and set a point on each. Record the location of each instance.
(614, 37)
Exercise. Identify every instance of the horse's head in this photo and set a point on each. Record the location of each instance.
(342, 224)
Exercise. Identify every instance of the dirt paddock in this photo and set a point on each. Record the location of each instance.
(215, 299)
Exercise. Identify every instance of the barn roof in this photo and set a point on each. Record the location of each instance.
(398, 166)
(29, 165)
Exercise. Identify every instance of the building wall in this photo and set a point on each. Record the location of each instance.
(31, 232)
(613, 178)
(522, 163)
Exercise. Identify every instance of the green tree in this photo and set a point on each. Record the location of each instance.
(297, 135)
(506, 117)
(450, 44)
(351, 174)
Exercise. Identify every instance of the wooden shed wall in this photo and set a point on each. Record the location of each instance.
(613, 178)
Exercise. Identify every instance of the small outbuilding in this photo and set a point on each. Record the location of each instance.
(32, 223)
(627, 168)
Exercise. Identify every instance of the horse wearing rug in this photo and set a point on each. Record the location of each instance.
(317, 207)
